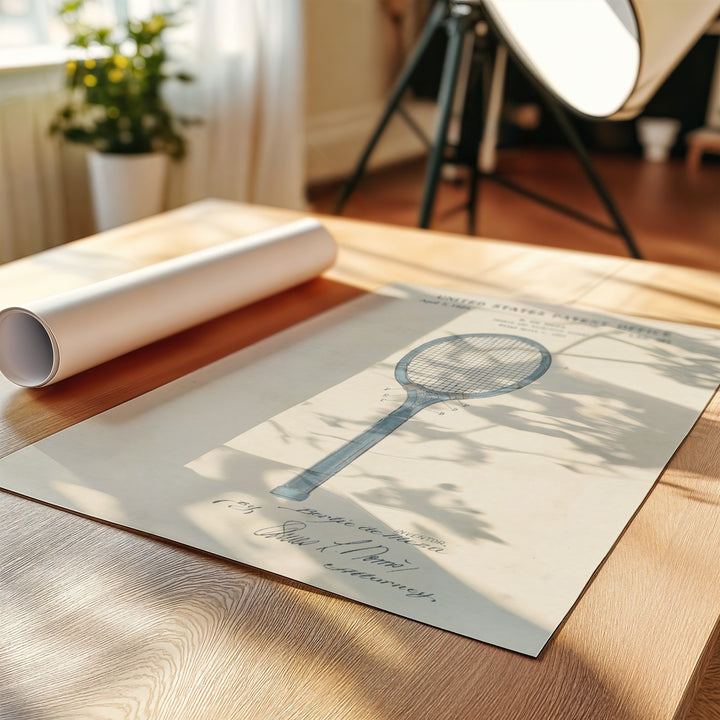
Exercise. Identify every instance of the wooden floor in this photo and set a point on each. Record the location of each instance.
(673, 214)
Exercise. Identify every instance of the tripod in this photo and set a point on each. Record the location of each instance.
(460, 18)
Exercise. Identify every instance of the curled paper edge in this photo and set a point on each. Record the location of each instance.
(50, 339)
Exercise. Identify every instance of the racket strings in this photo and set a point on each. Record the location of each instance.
(475, 365)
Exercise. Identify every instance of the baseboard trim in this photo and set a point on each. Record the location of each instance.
(334, 140)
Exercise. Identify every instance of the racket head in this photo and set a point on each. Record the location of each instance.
(473, 365)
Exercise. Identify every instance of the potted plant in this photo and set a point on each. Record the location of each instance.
(115, 106)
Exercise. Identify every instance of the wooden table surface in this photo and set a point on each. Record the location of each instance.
(98, 622)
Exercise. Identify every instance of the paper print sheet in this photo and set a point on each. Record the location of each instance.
(465, 462)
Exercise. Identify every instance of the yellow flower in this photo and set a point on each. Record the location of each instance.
(89, 64)
(90, 81)
(120, 61)
(71, 66)
(115, 75)
(155, 24)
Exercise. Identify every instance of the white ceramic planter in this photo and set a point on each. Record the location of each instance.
(126, 187)
(657, 135)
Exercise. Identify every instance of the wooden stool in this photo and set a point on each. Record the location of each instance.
(701, 141)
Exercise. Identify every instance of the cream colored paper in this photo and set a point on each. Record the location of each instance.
(484, 516)
(50, 339)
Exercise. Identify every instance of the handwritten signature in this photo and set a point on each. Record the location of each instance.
(294, 532)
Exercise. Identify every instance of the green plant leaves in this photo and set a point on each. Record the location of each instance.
(114, 87)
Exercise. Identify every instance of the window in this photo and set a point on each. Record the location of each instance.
(27, 23)
(31, 33)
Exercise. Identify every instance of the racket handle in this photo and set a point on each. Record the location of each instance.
(303, 484)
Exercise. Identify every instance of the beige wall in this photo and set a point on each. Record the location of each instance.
(352, 57)
(348, 48)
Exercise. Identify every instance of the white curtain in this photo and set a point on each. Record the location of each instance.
(248, 96)
(248, 60)
(32, 214)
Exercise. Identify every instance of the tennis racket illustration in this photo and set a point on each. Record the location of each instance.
(457, 367)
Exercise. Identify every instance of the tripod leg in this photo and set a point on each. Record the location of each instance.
(473, 192)
(474, 122)
(434, 21)
(456, 127)
(481, 126)
(592, 174)
(457, 26)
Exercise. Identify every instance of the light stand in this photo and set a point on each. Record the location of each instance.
(460, 17)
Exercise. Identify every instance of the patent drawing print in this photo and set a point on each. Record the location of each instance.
(455, 367)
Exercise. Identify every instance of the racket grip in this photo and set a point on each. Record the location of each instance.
(300, 487)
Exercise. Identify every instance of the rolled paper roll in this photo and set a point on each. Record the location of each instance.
(53, 338)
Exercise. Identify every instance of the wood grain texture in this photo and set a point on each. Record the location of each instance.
(98, 622)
